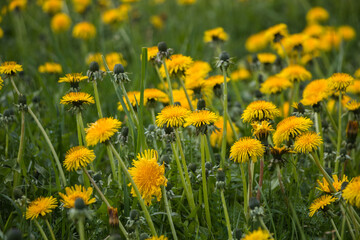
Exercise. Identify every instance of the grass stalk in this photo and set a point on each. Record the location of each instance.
(204, 184)
(41, 230)
(50, 229)
(81, 228)
(227, 219)
(338, 146)
(97, 99)
(169, 83)
(335, 228)
(225, 116)
(168, 213)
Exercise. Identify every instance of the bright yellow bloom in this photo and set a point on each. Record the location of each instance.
(354, 88)
(1, 83)
(316, 14)
(148, 176)
(116, 15)
(340, 81)
(186, 2)
(77, 157)
(40, 206)
(152, 53)
(1, 33)
(257, 235)
(246, 148)
(266, 58)
(324, 185)
(240, 74)
(73, 78)
(330, 39)
(320, 203)
(17, 5)
(200, 118)
(172, 116)
(260, 110)
(157, 22)
(73, 193)
(353, 105)
(50, 67)
(10, 68)
(275, 84)
(77, 99)
(101, 130)
(134, 98)
(261, 130)
(215, 80)
(52, 6)
(114, 58)
(315, 92)
(272, 32)
(198, 70)
(81, 5)
(357, 73)
(295, 73)
(84, 30)
(60, 23)
(177, 65)
(215, 35)
(347, 32)
(216, 136)
(290, 127)
(314, 30)
(352, 192)
(180, 97)
(256, 42)
(307, 142)
(162, 237)
(154, 94)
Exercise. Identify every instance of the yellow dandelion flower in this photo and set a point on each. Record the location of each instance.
(134, 98)
(101, 130)
(317, 14)
(73, 78)
(10, 68)
(307, 142)
(116, 15)
(246, 148)
(314, 30)
(1, 33)
(330, 40)
(52, 6)
(354, 88)
(198, 70)
(311, 45)
(261, 130)
(215, 35)
(73, 193)
(295, 73)
(315, 92)
(186, 2)
(17, 5)
(352, 192)
(290, 127)
(177, 65)
(172, 116)
(216, 136)
(346, 32)
(153, 94)
(240, 74)
(1, 83)
(114, 58)
(320, 203)
(353, 105)
(266, 58)
(81, 5)
(215, 80)
(60, 23)
(274, 31)
(84, 30)
(50, 67)
(152, 53)
(162, 237)
(340, 81)
(256, 42)
(180, 97)
(258, 235)
(324, 185)
(200, 118)
(275, 84)
(77, 157)
(40, 206)
(357, 73)
(148, 176)
(260, 110)
(77, 99)
(157, 22)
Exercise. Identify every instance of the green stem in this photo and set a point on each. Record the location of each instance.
(261, 220)
(6, 141)
(50, 229)
(169, 83)
(168, 212)
(332, 121)
(225, 116)
(204, 184)
(97, 188)
(186, 94)
(21, 150)
(97, 99)
(112, 162)
(320, 131)
(41, 230)
(246, 200)
(78, 129)
(129, 104)
(141, 201)
(81, 228)
(227, 219)
(335, 228)
(338, 146)
(322, 170)
(161, 79)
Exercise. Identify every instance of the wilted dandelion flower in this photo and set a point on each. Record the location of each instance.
(200, 118)
(316, 15)
(77, 157)
(240, 74)
(10, 68)
(256, 42)
(84, 30)
(340, 81)
(295, 73)
(148, 176)
(60, 23)
(315, 92)
(275, 84)
(81, 5)
(215, 35)
(290, 128)
(172, 116)
(77, 100)
(177, 65)
(324, 185)
(320, 203)
(352, 192)
(307, 142)
(50, 67)
(346, 32)
(216, 136)
(261, 130)
(246, 148)
(101, 130)
(52, 6)
(73, 193)
(258, 235)
(266, 58)
(260, 110)
(40, 207)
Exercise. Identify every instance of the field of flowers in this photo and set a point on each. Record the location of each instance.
(179, 119)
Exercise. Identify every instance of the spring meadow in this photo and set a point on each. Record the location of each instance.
(179, 119)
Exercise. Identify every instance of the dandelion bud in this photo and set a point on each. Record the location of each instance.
(162, 46)
(201, 104)
(18, 193)
(317, 107)
(208, 166)
(177, 104)
(165, 159)
(237, 234)
(344, 185)
(224, 56)
(119, 68)
(144, 236)
(192, 167)
(258, 94)
(113, 217)
(14, 234)
(220, 177)
(9, 112)
(115, 237)
(253, 203)
(36, 99)
(124, 131)
(134, 215)
(94, 66)
(79, 204)
(22, 99)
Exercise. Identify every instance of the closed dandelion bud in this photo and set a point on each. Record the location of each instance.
(22, 99)
(151, 128)
(261, 78)
(192, 167)
(18, 193)
(344, 185)
(144, 236)
(177, 104)
(237, 234)
(115, 237)
(14, 234)
(9, 112)
(201, 104)
(162, 46)
(208, 166)
(253, 203)
(134, 215)
(113, 217)
(317, 107)
(119, 74)
(224, 56)
(220, 175)
(124, 131)
(258, 94)
(165, 159)
(224, 61)
(119, 68)
(94, 66)
(79, 204)
(36, 99)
